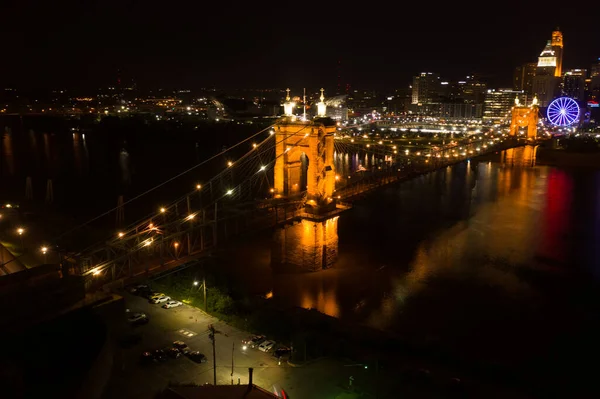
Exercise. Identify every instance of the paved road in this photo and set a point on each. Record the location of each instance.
(132, 380)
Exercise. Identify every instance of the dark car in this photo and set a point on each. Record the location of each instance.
(282, 352)
(146, 358)
(136, 289)
(181, 347)
(197, 357)
(144, 291)
(173, 353)
(160, 355)
(138, 318)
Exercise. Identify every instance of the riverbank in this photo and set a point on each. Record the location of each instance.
(317, 337)
(314, 335)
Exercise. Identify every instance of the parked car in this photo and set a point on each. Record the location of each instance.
(138, 318)
(181, 347)
(283, 352)
(266, 346)
(253, 342)
(156, 295)
(161, 299)
(134, 289)
(144, 292)
(160, 355)
(173, 353)
(172, 304)
(146, 358)
(197, 357)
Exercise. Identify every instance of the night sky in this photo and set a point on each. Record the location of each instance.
(278, 44)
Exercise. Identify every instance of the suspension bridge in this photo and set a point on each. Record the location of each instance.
(289, 174)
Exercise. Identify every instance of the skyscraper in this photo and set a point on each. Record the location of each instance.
(498, 103)
(425, 88)
(545, 83)
(523, 78)
(573, 84)
(557, 47)
(594, 82)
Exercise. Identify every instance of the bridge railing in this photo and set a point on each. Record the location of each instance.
(407, 167)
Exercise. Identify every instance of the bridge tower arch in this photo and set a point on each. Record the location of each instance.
(314, 139)
(524, 116)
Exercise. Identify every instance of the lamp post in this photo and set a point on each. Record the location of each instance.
(45, 251)
(20, 232)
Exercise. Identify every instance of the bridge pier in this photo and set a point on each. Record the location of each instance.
(308, 245)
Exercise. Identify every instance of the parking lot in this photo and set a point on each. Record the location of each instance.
(131, 379)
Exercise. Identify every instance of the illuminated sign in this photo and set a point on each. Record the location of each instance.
(547, 62)
(593, 104)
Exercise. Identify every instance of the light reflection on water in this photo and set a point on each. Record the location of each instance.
(451, 248)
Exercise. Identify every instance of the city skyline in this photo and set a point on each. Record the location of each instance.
(96, 45)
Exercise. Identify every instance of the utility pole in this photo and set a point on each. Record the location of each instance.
(232, 351)
(211, 335)
(204, 285)
(304, 101)
(376, 379)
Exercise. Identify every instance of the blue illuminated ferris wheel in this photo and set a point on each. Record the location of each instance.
(563, 111)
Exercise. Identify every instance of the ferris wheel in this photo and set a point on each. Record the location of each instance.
(563, 111)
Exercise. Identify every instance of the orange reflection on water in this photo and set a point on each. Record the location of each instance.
(323, 300)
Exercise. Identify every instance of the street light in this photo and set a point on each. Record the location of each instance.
(20, 231)
(44, 251)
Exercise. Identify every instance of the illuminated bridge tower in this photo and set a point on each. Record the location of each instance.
(304, 169)
(304, 159)
(524, 116)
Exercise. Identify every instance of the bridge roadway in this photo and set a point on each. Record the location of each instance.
(159, 246)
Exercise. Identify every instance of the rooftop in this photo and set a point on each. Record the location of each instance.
(217, 392)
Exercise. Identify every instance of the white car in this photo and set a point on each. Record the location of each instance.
(172, 304)
(161, 299)
(266, 346)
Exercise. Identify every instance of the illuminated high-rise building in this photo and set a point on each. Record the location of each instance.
(557, 47)
(425, 88)
(545, 82)
(595, 69)
(523, 78)
(594, 82)
(573, 84)
(498, 103)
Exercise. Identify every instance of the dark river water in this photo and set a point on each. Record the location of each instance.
(496, 259)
